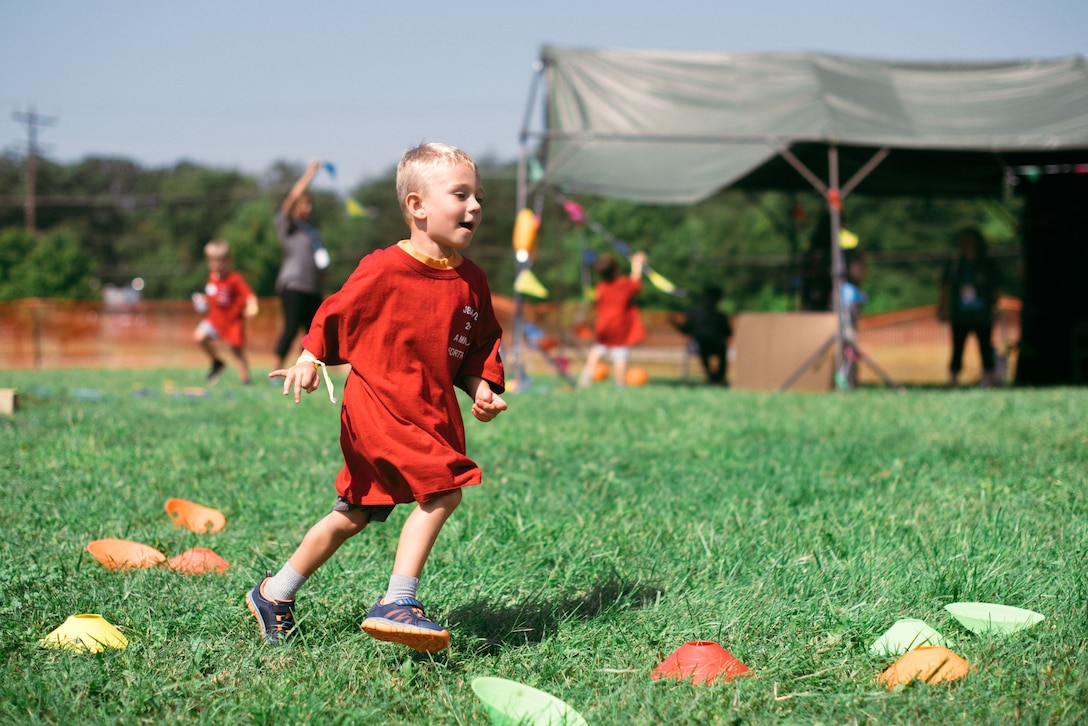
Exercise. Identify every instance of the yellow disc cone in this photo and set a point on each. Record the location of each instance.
(85, 632)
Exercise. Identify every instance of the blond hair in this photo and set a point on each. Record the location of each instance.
(217, 248)
(418, 165)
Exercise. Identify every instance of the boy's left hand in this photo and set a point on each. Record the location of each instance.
(487, 404)
(303, 376)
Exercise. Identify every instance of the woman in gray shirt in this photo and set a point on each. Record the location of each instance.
(305, 258)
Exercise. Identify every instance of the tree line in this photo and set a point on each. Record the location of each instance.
(106, 221)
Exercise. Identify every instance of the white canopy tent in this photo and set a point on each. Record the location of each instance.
(674, 128)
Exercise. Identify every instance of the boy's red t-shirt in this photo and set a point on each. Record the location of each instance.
(227, 297)
(411, 333)
(619, 322)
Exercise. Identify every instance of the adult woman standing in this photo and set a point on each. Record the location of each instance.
(305, 258)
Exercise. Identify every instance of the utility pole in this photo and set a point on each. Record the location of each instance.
(32, 121)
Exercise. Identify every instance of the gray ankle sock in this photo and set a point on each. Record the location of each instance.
(401, 586)
(284, 584)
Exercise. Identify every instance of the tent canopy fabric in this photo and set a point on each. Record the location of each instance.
(674, 128)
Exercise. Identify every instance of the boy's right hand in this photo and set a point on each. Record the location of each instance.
(301, 376)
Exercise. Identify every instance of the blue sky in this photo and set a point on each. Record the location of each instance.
(241, 84)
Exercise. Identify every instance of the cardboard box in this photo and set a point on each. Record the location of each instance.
(9, 400)
(768, 348)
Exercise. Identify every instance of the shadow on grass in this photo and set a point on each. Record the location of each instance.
(497, 626)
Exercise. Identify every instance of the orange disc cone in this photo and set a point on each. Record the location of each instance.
(85, 632)
(701, 662)
(929, 663)
(195, 517)
(197, 561)
(122, 554)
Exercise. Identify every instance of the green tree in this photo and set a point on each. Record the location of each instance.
(254, 247)
(53, 265)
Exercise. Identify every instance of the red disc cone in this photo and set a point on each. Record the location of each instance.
(701, 662)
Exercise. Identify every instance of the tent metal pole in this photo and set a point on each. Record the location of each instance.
(838, 264)
(816, 182)
(523, 157)
(833, 195)
(863, 172)
(517, 365)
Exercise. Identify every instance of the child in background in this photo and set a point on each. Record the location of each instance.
(619, 323)
(226, 299)
(709, 328)
(415, 322)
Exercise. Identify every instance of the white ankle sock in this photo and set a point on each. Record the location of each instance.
(401, 586)
(284, 584)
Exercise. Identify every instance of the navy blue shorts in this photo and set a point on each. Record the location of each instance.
(377, 513)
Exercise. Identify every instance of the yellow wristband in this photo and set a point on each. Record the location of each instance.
(320, 366)
(308, 357)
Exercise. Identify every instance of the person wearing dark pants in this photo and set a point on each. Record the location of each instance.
(299, 309)
(969, 292)
(305, 258)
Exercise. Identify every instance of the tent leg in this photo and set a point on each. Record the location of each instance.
(809, 362)
(888, 380)
(834, 195)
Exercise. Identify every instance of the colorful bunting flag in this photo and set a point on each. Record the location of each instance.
(354, 209)
(574, 211)
(658, 280)
(527, 284)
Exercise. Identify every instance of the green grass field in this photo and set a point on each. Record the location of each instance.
(793, 529)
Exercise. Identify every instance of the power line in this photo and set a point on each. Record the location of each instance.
(131, 201)
(33, 121)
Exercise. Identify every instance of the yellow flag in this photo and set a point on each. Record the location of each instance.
(847, 239)
(527, 284)
(660, 282)
(354, 209)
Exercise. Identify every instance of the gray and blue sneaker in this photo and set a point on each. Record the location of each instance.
(404, 621)
(276, 617)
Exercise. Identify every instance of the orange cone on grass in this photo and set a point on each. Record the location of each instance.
(195, 517)
(701, 662)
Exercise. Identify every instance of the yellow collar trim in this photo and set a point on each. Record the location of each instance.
(444, 264)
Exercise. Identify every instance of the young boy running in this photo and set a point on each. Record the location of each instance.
(227, 300)
(415, 322)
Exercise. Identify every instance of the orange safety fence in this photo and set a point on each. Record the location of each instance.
(912, 346)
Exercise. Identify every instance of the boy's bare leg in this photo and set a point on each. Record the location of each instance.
(420, 531)
(587, 371)
(620, 365)
(243, 364)
(403, 620)
(272, 600)
(207, 344)
(325, 537)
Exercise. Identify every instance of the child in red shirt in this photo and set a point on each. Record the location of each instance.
(415, 322)
(227, 299)
(619, 324)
